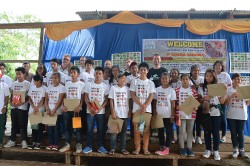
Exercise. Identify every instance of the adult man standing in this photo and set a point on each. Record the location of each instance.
(65, 66)
(156, 71)
(27, 76)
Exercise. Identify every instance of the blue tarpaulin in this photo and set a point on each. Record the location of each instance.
(101, 41)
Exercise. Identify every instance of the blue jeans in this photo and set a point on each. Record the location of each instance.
(123, 135)
(237, 132)
(67, 117)
(223, 124)
(168, 127)
(54, 132)
(215, 121)
(99, 119)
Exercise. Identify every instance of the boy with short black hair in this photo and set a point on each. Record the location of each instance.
(55, 63)
(74, 90)
(19, 110)
(99, 91)
(142, 92)
(87, 75)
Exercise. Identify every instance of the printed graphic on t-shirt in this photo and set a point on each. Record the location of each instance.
(121, 99)
(72, 92)
(183, 96)
(236, 103)
(19, 88)
(142, 92)
(53, 97)
(162, 99)
(36, 96)
(96, 93)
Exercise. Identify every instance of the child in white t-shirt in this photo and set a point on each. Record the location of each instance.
(36, 100)
(134, 73)
(119, 96)
(142, 92)
(4, 99)
(214, 115)
(53, 102)
(54, 63)
(19, 109)
(114, 76)
(99, 91)
(164, 105)
(187, 121)
(87, 75)
(237, 117)
(73, 90)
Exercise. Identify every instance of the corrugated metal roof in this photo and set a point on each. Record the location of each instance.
(171, 14)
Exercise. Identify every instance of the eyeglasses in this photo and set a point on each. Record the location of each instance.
(65, 59)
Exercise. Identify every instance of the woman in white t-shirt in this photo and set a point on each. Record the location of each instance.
(214, 118)
(36, 100)
(164, 105)
(236, 117)
(53, 102)
(222, 77)
(113, 80)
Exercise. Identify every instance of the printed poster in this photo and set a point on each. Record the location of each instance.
(96, 63)
(183, 53)
(118, 59)
(239, 62)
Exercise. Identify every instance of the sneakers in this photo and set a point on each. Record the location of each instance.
(207, 154)
(223, 139)
(243, 154)
(193, 140)
(32, 146)
(102, 150)
(37, 146)
(49, 147)
(65, 148)
(55, 148)
(10, 144)
(160, 150)
(198, 140)
(235, 153)
(78, 148)
(163, 152)
(183, 152)
(216, 156)
(24, 144)
(87, 150)
(190, 153)
(173, 141)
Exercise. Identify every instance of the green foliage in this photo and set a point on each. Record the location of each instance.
(19, 44)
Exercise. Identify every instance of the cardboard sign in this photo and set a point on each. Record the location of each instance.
(115, 125)
(49, 120)
(219, 89)
(157, 122)
(35, 118)
(243, 92)
(189, 104)
(71, 104)
(22, 94)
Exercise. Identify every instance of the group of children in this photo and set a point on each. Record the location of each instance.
(125, 95)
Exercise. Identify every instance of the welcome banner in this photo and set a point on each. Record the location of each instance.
(183, 53)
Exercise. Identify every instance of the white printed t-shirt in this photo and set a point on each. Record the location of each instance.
(49, 78)
(121, 98)
(4, 91)
(74, 90)
(224, 77)
(130, 78)
(237, 109)
(175, 84)
(163, 97)
(36, 95)
(53, 95)
(7, 80)
(142, 89)
(98, 91)
(21, 86)
(86, 77)
(214, 101)
(200, 80)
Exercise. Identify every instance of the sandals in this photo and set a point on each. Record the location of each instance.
(146, 152)
(112, 152)
(125, 152)
(136, 152)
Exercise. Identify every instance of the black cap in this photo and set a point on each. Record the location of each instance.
(121, 74)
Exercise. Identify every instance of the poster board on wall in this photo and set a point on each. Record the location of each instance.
(120, 58)
(96, 63)
(183, 53)
(239, 62)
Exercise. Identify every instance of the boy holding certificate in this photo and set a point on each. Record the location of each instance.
(74, 90)
(119, 103)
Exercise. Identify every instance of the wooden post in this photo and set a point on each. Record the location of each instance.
(68, 158)
(175, 162)
(77, 160)
(41, 46)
